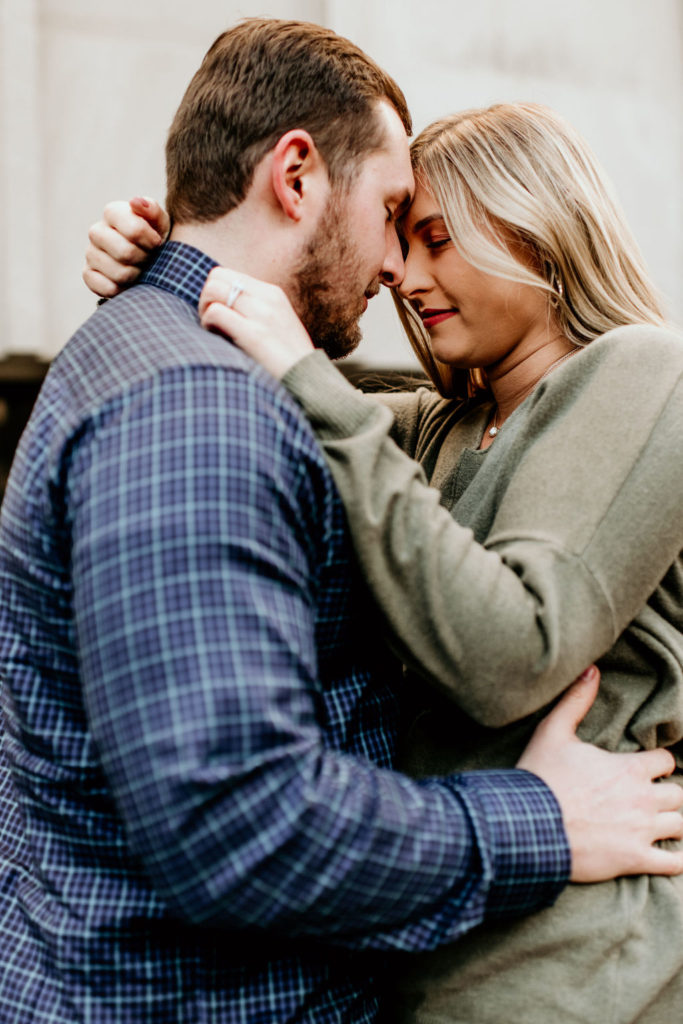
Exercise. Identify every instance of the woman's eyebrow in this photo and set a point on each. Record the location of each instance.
(427, 220)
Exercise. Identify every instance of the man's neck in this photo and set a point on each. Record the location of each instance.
(221, 246)
(240, 243)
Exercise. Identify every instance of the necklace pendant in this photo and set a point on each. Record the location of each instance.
(493, 431)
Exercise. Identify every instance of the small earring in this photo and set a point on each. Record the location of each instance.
(555, 282)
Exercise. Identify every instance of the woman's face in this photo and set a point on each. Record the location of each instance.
(474, 319)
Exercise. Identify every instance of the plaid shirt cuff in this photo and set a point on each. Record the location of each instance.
(519, 823)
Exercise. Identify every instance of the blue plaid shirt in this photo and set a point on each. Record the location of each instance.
(198, 820)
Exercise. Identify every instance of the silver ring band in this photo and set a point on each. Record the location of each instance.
(236, 290)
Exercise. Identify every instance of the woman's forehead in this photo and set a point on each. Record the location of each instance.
(423, 210)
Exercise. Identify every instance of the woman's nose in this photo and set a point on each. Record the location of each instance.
(413, 282)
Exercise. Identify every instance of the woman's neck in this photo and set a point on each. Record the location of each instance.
(510, 385)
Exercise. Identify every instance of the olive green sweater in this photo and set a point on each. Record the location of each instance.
(557, 546)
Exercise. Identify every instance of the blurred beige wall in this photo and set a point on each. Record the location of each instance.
(88, 89)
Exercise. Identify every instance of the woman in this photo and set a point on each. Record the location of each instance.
(554, 540)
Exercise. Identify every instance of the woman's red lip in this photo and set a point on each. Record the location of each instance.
(431, 317)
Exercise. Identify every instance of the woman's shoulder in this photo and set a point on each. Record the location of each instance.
(625, 357)
(632, 372)
(644, 344)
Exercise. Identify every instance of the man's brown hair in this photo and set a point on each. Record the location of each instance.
(258, 81)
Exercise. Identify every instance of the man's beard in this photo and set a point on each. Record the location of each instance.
(324, 283)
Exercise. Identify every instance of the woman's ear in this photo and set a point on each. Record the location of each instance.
(298, 174)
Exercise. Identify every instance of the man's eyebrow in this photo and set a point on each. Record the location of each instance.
(426, 220)
(402, 204)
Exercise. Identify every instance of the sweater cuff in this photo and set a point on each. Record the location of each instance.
(334, 406)
(519, 824)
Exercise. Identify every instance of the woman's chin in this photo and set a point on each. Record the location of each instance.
(452, 354)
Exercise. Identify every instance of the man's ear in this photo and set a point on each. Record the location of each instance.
(298, 174)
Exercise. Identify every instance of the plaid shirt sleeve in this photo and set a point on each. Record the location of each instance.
(196, 530)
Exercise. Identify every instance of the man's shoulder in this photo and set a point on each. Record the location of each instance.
(141, 336)
(144, 331)
(145, 355)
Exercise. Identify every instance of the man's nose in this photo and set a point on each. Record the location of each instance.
(393, 268)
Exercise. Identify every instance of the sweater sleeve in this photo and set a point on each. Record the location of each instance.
(406, 409)
(582, 531)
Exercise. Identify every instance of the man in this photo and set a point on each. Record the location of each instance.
(199, 821)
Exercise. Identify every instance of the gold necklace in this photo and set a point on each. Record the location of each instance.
(494, 428)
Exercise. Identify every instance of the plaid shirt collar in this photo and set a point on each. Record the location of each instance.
(179, 269)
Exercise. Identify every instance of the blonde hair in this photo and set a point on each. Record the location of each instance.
(524, 198)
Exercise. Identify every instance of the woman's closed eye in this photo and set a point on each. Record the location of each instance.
(436, 242)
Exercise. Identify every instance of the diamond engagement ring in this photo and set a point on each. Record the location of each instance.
(236, 290)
